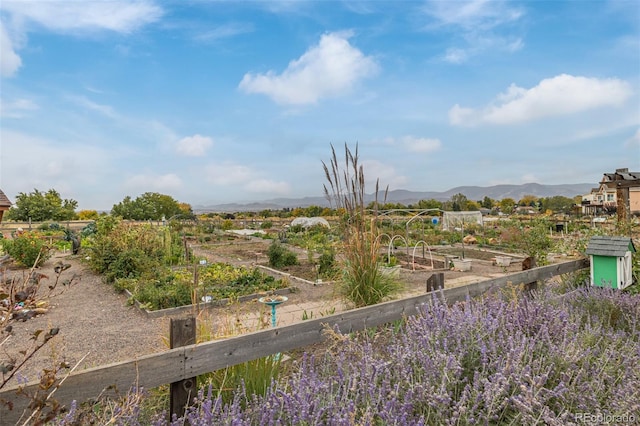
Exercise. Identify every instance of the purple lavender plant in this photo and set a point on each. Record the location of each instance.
(485, 361)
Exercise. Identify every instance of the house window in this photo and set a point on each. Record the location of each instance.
(609, 197)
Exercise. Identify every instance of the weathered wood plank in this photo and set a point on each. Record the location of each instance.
(189, 361)
(435, 282)
(182, 333)
(148, 371)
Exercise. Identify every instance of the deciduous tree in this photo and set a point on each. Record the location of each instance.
(88, 215)
(42, 206)
(507, 205)
(528, 200)
(149, 206)
(557, 204)
(459, 202)
(487, 202)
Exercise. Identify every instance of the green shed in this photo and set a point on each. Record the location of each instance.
(611, 261)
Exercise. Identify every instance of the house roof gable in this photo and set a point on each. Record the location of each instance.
(4, 201)
(601, 245)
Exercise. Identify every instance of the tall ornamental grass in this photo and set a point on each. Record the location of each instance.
(494, 361)
(362, 282)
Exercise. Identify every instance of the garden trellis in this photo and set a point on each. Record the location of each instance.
(460, 220)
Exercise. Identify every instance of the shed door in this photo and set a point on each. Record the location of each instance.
(625, 270)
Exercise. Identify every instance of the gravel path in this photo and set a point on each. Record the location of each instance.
(95, 322)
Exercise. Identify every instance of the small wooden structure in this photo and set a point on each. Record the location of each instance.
(611, 264)
(5, 204)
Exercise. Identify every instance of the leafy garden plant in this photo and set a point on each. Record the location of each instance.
(216, 280)
(280, 256)
(27, 249)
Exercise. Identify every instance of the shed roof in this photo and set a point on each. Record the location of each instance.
(601, 245)
(4, 201)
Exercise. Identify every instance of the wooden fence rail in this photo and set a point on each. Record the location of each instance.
(188, 361)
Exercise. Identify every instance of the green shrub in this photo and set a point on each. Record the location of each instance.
(162, 288)
(280, 256)
(296, 229)
(121, 250)
(129, 264)
(122, 284)
(163, 294)
(27, 249)
(267, 224)
(327, 264)
(49, 226)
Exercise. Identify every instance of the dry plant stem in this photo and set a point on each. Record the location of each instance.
(26, 422)
(4, 341)
(26, 358)
(30, 275)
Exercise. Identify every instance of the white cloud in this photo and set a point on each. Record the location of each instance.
(477, 23)
(529, 178)
(560, 95)
(414, 144)
(227, 174)
(461, 116)
(477, 44)
(194, 146)
(239, 176)
(68, 16)
(473, 15)
(84, 102)
(16, 108)
(152, 182)
(9, 59)
(456, 55)
(224, 31)
(268, 187)
(122, 16)
(43, 164)
(328, 69)
(385, 174)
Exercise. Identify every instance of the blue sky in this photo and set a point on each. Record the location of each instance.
(222, 101)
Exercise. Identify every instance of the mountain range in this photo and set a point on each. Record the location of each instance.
(401, 196)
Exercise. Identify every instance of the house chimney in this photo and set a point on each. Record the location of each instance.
(625, 170)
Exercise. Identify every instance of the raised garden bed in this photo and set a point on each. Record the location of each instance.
(206, 282)
(209, 304)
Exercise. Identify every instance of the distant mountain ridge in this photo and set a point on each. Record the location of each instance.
(477, 193)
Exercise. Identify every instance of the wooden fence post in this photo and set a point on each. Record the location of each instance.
(435, 282)
(529, 263)
(183, 333)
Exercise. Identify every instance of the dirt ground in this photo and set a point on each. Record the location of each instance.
(97, 325)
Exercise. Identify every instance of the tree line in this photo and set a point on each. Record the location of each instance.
(41, 206)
